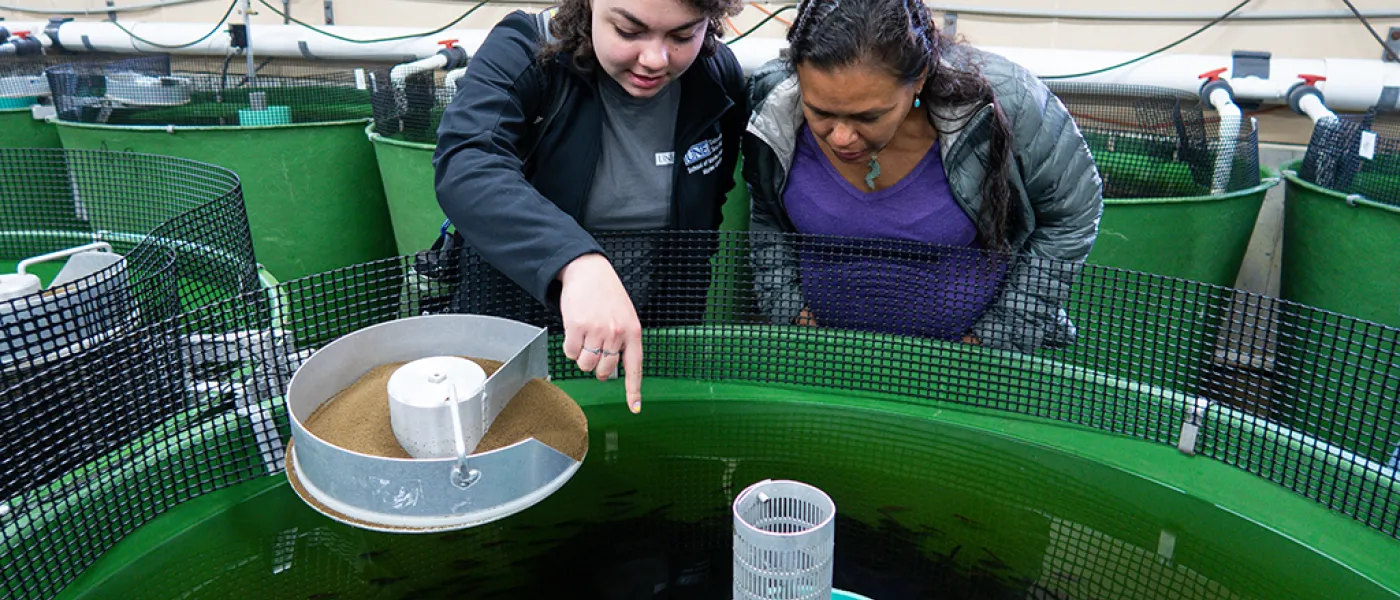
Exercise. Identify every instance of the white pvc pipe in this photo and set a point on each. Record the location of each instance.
(24, 265)
(1350, 85)
(450, 81)
(1313, 107)
(400, 73)
(1230, 117)
(287, 41)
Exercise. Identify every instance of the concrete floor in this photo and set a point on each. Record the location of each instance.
(1259, 273)
(1248, 340)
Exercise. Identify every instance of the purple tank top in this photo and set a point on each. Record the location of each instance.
(900, 285)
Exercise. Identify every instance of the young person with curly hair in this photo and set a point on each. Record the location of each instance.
(619, 115)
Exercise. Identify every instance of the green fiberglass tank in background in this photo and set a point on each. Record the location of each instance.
(19, 129)
(406, 169)
(1182, 193)
(1342, 219)
(293, 133)
(1182, 189)
(1340, 251)
(1341, 226)
(22, 86)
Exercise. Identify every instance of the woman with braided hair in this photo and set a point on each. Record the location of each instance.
(876, 126)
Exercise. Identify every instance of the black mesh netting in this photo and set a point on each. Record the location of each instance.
(1153, 142)
(1302, 397)
(22, 77)
(410, 108)
(182, 235)
(190, 90)
(1357, 154)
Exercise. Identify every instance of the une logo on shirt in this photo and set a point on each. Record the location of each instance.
(704, 155)
(665, 159)
(697, 152)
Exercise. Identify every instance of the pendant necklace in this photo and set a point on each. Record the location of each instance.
(874, 166)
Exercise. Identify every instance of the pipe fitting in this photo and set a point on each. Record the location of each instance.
(1302, 89)
(24, 45)
(51, 30)
(455, 55)
(1213, 83)
(1211, 87)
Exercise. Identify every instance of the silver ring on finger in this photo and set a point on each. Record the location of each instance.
(595, 350)
(611, 353)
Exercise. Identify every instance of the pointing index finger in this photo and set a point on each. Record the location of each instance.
(632, 362)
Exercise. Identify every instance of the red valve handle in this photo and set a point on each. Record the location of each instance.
(1311, 79)
(1213, 75)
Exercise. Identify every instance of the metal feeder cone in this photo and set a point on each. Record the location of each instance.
(440, 408)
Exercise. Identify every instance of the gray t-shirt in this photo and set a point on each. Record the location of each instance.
(632, 185)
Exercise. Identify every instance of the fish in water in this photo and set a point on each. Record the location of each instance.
(993, 562)
(968, 521)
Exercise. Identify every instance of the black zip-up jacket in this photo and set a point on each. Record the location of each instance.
(518, 201)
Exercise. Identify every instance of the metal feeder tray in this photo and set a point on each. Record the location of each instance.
(423, 495)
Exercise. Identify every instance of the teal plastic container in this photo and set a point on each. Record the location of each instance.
(272, 115)
(24, 102)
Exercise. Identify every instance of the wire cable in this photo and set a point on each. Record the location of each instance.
(1389, 54)
(375, 40)
(771, 16)
(1153, 53)
(206, 36)
(768, 12)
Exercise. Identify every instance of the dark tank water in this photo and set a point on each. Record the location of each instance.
(927, 510)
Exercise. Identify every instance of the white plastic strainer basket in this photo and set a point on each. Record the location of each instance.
(784, 540)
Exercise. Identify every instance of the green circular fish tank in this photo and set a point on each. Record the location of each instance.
(292, 132)
(407, 171)
(313, 194)
(957, 471)
(1182, 189)
(19, 129)
(1200, 237)
(1339, 251)
(22, 87)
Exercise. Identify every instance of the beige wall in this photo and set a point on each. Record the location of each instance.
(1341, 38)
